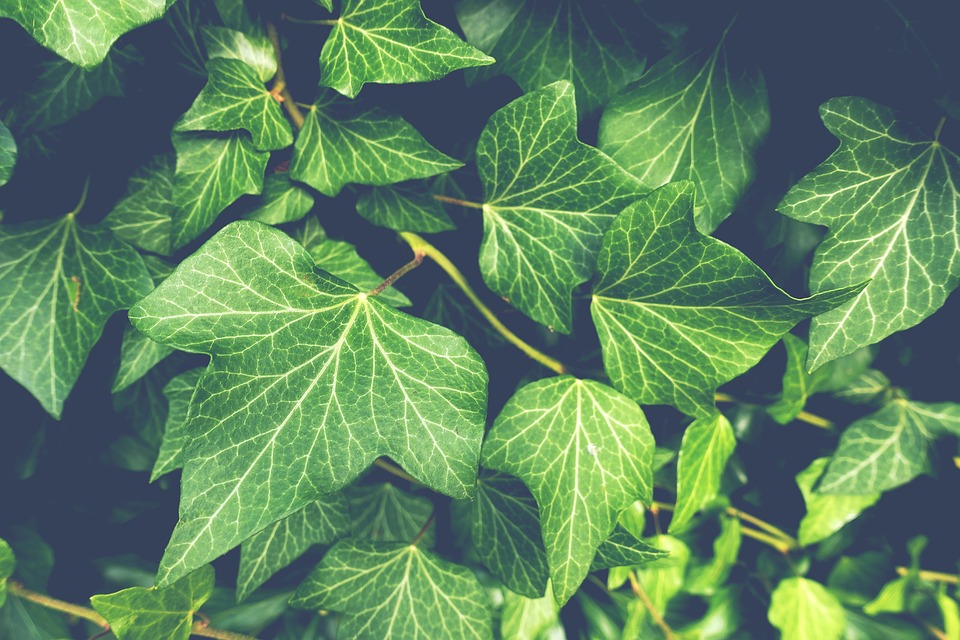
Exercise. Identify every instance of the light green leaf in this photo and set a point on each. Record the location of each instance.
(548, 199)
(143, 216)
(138, 354)
(691, 117)
(396, 590)
(623, 549)
(597, 46)
(384, 513)
(212, 172)
(292, 346)
(888, 448)
(662, 580)
(892, 598)
(707, 445)
(7, 565)
(59, 284)
(585, 452)
(868, 388)
(326, 4)
(81, 31)
(679, 313)
(178, 391)
(390, 42)
(525, 618)
(281, 201)
(951, 616)
(403, 208)
(254, 50)
(8, 154)
(166, 612)
(826, 514)
(804, 610)
(706, 579)
(284, 541)
(345, 141)
(889, 197)
(235, 98)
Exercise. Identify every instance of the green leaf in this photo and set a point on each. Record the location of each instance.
(81, 31)
(292, 346)
(178, 391)
(679, 313)
(253, 50)
(826, 514)
(889, 198)
(138, 354)
(525, 618)
(707, 579)
(855, 580)
(951, 615)
(662, 580)
(548, 199)
(450, 307)
(166, 612)
(585, 452)
(284, 541)
(212, 172)
(345, 141)
(868, 388)
(707, 445)
(384, 513)
(396, 590)
(892, 598)
(390, 42)
(7, 565)
(403, 208)
(691, 117)
(804, 610)
(623, 549)
(596, 46)
(235, 98)
(8, 154)
(143, 216)
(888, 448)
(59, 284)
(281, 201)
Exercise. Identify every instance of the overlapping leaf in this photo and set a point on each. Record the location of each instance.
(623, 549)
(7, 564)
(585, 452)
(390, 42)
(889, 196)
(143, 216)
(826, 514)
(8, 154)
(548, 199)
(281, 201)
(138, 355)
(404, 208)
(524, 618)
(679, 313)
(178, 391)
(384, 513)
(254, 50)
(310, 380)
(804, 610)
(707, 445)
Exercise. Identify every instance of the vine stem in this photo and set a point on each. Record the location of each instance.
(419, 245)
(279, 85)
(324, 23)
(82, 201)
(639, 591)
(766, 533)
(936, 134)
(932, 576)
(457, 201)
(399, 273)
(395, 470)
(423, 529)
(803, 416)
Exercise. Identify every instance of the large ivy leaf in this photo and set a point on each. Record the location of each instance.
(212, 172)
(8, 154)
(384, 513)
(888, 448)
(826, 514)
(889, 197)
(548, 199)
(254, 50)
(343, 141)
(59, 284)
(138, 613)
(585, 452)
(81, 31)
(679, 313)
(143, 216)
(371, 583)
(691, 117)
(804, 610)
(284, 541)
(281, 201)
(178, 392)
(390, 42)
(310, 380)
(404, 208)
(706, 446)
(597, 46)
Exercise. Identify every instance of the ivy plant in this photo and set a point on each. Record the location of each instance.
(516, 319)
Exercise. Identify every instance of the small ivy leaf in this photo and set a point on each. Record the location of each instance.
(404, 208)
(707, 445)
(856, 580)
(826, 514)
(870, 387)
(138, 355)
(326, 4)
(59, 284)
(708, 578)
(253, 50)
(345, 141)
(661, 579)
(585, 452)
(212, 172)
(548, 199)
(691, 117)
(384, 513)
(81, 31)
(178, 392)
(390, 42)
(888, 195)
(679, 313)
(623, 549)
(8, 154)
(893, 597)
(804, 610)
(370, 381)
(888, 448)
(281, 201)
(524, 618)
(284, 541)
(396, 590)
(166, 612)
(234, 98)
(7, 564)
(235, 15)
(143, 217)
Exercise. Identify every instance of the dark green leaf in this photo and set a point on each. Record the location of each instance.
(855, 580)
(662, 580)
(403, 208)
(384, 513)
(178, 391)
(826, 514)
(281, 201)
(706, 579)
(707, 445)
(623, 549)
(8, 154)
(449, 306)
(143, 216)
(868, 388)
(804, 610)
(138, 354)
(7, 564)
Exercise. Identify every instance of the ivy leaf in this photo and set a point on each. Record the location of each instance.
(596, 46)
(888, 195)
(284, 541)
(548, 199)
(178, 392)
(623, 549)
(235, 98)
(869, 387)
(662, 580)
(143, 216)
(212, 172)
(254, 50)
(281, 201)
(80, 31)
(691, 117)
(707, 579)
(7, 565)
(138, 355)
(585, 452)
(707, 445)
(888, 448)
(826, 514)
(59, 284)
(804, 610)
(679, 313)
(265, 383)
(370, 582)
(166, 612)
(450, 307)
(8, 154)
(384, 513)
(343, 142)
(524, 618)
(390, 42)
(403, 208)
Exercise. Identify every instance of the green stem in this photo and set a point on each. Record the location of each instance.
(399, 273)
(201, 629)
(803, 416)
(278, 88)
(457, 201)
(641, 593)
(936, 134)
(770, 535)
(395, 470)
(82, 201)
(324, 23)
(423, 529)
(932, 576)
